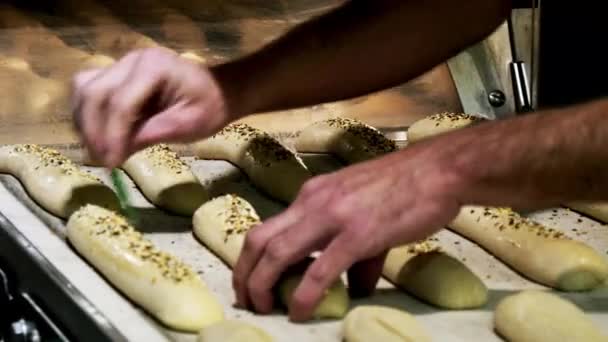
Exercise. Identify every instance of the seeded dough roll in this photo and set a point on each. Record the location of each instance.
(438, 124)
(158, 282)
(269, 165)
(597, 210)
(222, 224)
(53, 181)
(348, 139)
(423, 270)
(539, 253)
(233, 331)
(166, 180)
(378, 323)
(539, 316)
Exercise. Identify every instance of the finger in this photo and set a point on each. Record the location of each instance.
(288, 247)
(94, 96)
(255, 243)
(364, 275)
(90, 97)
(174, 124)
(125, 109)
(320, 276)
(78, 83)
(112, 80)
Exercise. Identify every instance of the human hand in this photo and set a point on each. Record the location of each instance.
(147, 97)
(353, 216)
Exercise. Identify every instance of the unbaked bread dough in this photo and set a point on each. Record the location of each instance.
(537, 252)
(540, 316)
(378, 323)
(160, 283)
(166, 180)
(33, 98)
(348, 139)
(437, 124)
(428, 273)
(597, 210)
(222, 224)
(233, 331)
(269, 164)
(42, 48)
(53, 181)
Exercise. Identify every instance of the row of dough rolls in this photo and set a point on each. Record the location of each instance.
(537, 252)
(156, 281)
(420, 268)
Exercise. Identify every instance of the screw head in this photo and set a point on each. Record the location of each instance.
(497, 98)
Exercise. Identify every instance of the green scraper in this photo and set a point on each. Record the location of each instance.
(123, 196)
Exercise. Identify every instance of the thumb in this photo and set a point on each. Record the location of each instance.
(364, 275)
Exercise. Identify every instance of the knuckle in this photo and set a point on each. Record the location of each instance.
(255, 289)
(157, 54)
(338, 210)
(118, 104)
(299, 301)
(95, 89)
(253, 241)
(276, 250)
(317, 274)
(313, 184)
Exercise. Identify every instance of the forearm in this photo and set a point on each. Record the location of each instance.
(542, 159)
(361, 47)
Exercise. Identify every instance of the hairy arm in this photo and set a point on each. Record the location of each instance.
(538, 160)
(361, 47)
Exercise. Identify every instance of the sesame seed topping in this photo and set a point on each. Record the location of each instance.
(110, 225)
(239, 217)
(50, 158)
(515, 221)
(163, 155)
(375, 141)
(422, 247)
(447, 116)
(263, 148)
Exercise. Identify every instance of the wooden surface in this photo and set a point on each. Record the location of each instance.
(53, 40)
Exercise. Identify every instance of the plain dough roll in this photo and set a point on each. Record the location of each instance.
(598, 210)
(378, 323)
(269, 165)
(438, 124)
(540, 316)
(233, 331)
(54, 181)
(33, 98)
(539, 253)
(166, 180)
(423, 270)
(222, 224)
(348, 139)
(158, 282)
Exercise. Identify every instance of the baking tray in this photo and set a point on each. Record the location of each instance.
(174, 234)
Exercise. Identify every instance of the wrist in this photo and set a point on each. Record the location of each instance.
(232, 90)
